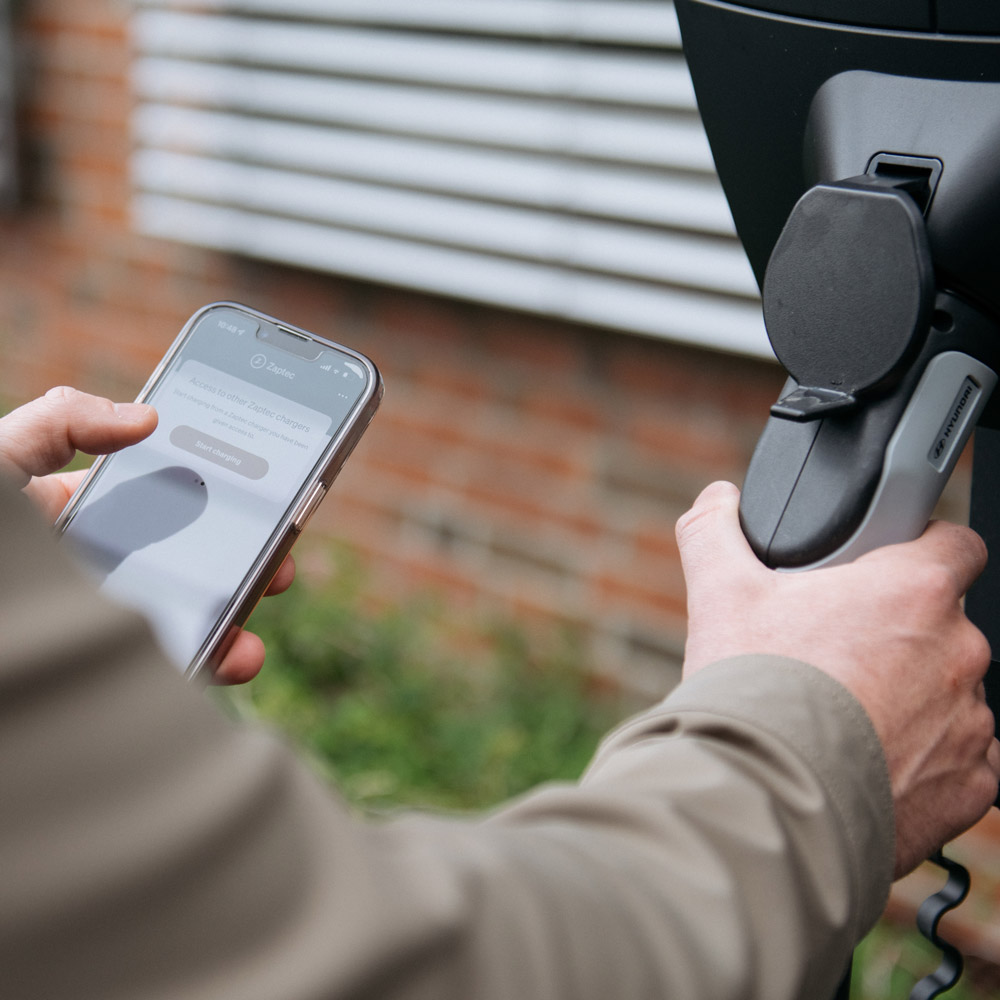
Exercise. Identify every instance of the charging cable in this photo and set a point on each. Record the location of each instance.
(929, 915)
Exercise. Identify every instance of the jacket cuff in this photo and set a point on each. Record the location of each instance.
(823, 725)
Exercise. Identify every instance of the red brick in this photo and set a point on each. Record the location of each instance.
(657, 540)
(440, 326)
(688, 440)
(94, 17)
(87, 55)
(534, 344)
(437, 575)
(622, 593)
(574, 407)
(445, 376)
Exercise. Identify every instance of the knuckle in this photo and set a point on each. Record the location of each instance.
(980, 650)
(682, 527)
(975, 653)
(977, 547)
(689, 524)
(983, 726)
(968, 657)
(62, 392)
(987, 790)
(932, 587)
(715, 497)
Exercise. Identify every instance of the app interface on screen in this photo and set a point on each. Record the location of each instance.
(174, 524)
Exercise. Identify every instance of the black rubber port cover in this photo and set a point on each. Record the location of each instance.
(849, 288)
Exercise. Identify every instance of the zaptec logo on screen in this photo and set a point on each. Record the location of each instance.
(261, 361)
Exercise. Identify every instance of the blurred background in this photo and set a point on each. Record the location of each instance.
(511, 207)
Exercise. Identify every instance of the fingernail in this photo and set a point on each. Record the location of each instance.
(132, 413)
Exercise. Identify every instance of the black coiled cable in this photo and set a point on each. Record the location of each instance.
(929, 916)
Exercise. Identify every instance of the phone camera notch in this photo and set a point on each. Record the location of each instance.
(290, 341)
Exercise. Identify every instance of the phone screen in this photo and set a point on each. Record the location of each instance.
(173, 526)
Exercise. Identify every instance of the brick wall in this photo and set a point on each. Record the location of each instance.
(518, 465)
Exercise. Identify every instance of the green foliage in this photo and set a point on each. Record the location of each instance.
(383, 702)
(894, 957)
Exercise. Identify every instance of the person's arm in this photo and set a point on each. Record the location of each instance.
(746, 824)
(152, 849)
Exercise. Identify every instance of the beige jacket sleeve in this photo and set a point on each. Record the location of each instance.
(735, 841)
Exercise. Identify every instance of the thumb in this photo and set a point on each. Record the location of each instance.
(43, 435)
(710, 539)
(720, 569)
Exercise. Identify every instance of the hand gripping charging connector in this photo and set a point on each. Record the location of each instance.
(888, 378)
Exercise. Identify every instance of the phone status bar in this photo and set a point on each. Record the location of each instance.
(338, 368)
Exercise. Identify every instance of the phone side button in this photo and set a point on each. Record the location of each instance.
(309, 503)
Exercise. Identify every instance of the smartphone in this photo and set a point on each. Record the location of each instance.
(257, 417)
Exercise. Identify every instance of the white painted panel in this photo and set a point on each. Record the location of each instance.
(636, 22)
(540, 154)
(516, 232)
(656, 80)
(654, 197)
(666, 312)
(457, 116)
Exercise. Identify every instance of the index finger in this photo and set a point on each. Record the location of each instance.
(957, 548)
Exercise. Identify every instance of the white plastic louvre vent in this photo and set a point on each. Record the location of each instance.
(544, 155)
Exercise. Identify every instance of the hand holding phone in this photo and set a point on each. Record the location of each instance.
(256, 417)
(40, 437)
